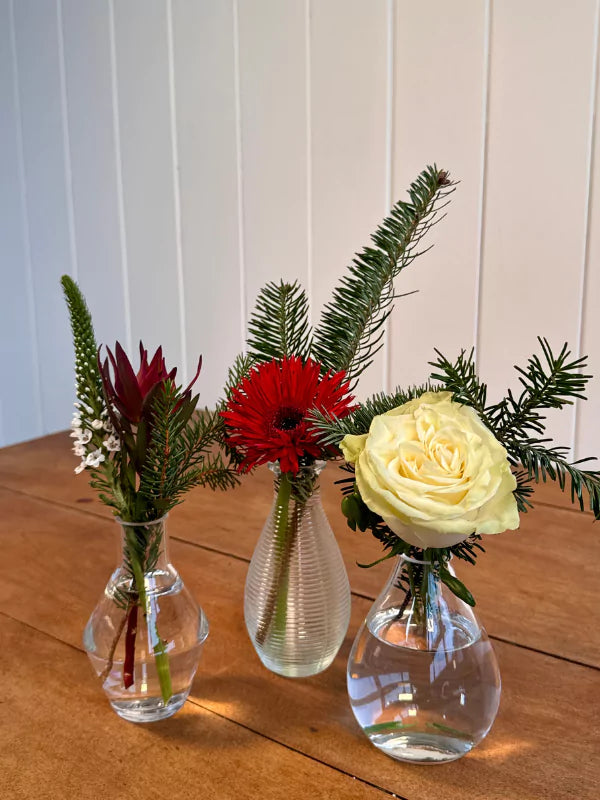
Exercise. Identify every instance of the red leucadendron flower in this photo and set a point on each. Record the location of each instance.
(266, 416)
(130, 393)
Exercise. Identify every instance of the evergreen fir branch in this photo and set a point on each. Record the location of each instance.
(178, 455)
(333, 430)
(460, 377)
(279, 326)
(553, 384)
(87, 374)
(351, 327)
(542, 463)
(240, 369)
(524, 490)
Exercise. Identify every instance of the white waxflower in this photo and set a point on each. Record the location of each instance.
(85, 436)
(97, 424)
(108, 426)
(94, 458)
(76, 421)
(80, 467)
(79, 449)
(112, 444)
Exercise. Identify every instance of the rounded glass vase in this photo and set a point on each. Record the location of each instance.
(423, 679)
(145, 636)
(297, 596)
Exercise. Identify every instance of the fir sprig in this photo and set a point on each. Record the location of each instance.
(279, 326)
(352, 325)
(333, 430)
(178, 457)
(351, 328)
(518, 422)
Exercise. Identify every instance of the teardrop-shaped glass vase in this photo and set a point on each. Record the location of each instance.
(145, 636)
(297, 598)
(423, 679)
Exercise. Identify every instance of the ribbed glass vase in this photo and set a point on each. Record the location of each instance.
(297, 599)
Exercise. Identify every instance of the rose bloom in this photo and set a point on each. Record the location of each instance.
(434, 472)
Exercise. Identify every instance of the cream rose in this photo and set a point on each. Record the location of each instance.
(433, 471)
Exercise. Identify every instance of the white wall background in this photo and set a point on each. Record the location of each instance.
(173, 155)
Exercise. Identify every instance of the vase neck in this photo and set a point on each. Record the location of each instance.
(145, 547)
(423, 611)
(303, 487)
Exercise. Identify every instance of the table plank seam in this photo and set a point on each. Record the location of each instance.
(571, 509)
(300, 752)
(209, 710)
(226, 554)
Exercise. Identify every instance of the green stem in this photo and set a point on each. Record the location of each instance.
(158, 645)
(284, 537)
(282, 594)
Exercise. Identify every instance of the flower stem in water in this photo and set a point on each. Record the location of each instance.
(284, 545)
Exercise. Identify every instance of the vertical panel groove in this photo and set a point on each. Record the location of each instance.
(309, 241)
(26, 231)
(588, 205)
(119, 168)
(176, 192)
(240, 171)
(487, 58)
(389, 167)
(66, 140)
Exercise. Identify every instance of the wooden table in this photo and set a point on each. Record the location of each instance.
(246, 733)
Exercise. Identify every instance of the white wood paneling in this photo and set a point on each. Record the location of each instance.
(272, 64)
(536, 190)
(587, 430)
(176, 155)
(19, 390)
(46, 172)
(86, 38)
(146, 151)
(439, 118)
(348, 93)
(203, 48)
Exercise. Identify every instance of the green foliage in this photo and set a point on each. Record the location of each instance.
(279, 326)
(179, 455)
(542, 463)
(239, 369)
(351, 328)
(518, 422)
(352, 325)
(333, 430)
(160, 458)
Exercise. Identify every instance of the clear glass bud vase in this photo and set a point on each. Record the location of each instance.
(297, 599)
(423, 679)
(145, 636)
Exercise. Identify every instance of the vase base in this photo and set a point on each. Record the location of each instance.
(295, 670)
(150, 709)
(422, 748)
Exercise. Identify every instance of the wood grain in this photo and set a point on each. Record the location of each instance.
(530, 586)
(60, 559)
(68, 744)
(531, 267)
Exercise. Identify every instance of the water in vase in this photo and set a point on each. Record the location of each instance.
(424, 699)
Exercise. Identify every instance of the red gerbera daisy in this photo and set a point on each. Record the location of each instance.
(266, 416)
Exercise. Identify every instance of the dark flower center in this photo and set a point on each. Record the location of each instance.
(287, 418)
